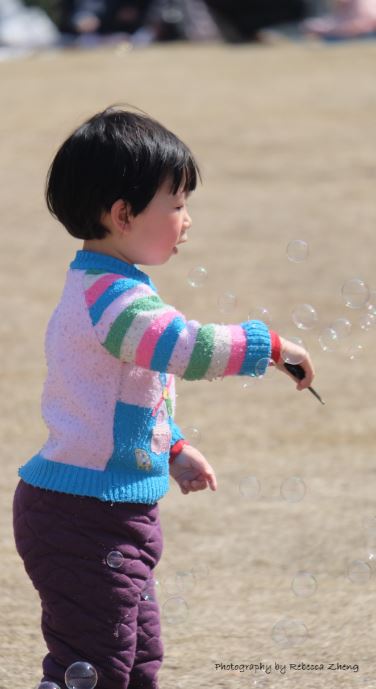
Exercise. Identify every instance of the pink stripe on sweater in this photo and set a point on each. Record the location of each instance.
(98, 287)
(148, 342)
(238, 349)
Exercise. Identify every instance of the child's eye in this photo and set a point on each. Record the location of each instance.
(179, 208)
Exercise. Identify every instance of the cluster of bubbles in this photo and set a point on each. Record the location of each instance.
(355, 293)
(292, 489)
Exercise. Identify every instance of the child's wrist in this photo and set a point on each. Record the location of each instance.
(176, 449)
(275, 341)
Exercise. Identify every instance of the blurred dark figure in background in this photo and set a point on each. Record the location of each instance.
(163, 20)
(102, 16)
(149, 20)
(242, 20)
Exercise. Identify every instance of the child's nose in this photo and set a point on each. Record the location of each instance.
(187, 221)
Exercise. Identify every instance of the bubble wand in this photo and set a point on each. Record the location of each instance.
(298, 372)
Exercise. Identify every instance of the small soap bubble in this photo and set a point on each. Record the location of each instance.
(341, 327)
(354, 351)
(260, 682)
(260, 313)
(249, 487)
(47, 685)
(293, 489)
(371, 304)
(329, 340)
(81, 675)
(175, 610)
(304, 316)
(200, 571)
(192, 434)
(297, 250)
(294, 357)
(355, 293)
(359, 572)
(186, 581)
(304, 584)
(227, 302)
(115, 559)
(289, 632)
(262, 366)
(367, 321)
(148, 592)
(197, 276)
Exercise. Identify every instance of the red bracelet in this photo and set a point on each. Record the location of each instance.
(276, 346)
(176, 449)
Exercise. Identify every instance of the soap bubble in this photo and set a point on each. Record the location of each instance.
(359, 572)
(354, 351)
(261, 367)
(329, 340)
(115, 559)
(227, 302)
(81, 675)
(200, 571)
(367, 321)
(297, 250)
(47, 685)
(260, 313)
(371, 304)
(260, 682)
(304, 316)
(342, 327)
(304, 584)
(175, 610)
(295, 357)
(293, 489)
(186, 581)
(197, 276)
(289, 632)
(192, 434)
(148, 592)
(249, 487)
(181, 582)
(355, 293)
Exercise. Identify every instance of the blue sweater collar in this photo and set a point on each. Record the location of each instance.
(91, 260)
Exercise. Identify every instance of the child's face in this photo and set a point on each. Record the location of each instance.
(154, 234)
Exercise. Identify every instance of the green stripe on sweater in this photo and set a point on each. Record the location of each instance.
(122, 323)
(202, 353)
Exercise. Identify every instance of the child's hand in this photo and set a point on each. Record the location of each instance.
(295, 353)
(192, 472)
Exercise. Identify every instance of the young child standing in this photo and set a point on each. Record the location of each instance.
(120, 182)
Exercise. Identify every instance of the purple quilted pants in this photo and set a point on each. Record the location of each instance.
(91, 610)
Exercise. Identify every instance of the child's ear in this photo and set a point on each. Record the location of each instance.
(121, 214)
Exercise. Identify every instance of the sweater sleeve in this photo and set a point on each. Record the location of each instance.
(136, 326)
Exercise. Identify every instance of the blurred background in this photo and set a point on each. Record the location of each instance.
(89, 23)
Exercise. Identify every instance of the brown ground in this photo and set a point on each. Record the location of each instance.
(286, 139)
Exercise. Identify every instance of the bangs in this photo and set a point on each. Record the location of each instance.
(182, 170)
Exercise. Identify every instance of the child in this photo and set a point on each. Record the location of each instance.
(120, 182)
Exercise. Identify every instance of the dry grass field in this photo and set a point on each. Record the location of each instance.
(285, 135)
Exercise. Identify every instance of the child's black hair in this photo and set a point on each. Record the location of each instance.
(117, 154)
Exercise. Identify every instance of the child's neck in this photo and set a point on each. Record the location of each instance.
(104, 246)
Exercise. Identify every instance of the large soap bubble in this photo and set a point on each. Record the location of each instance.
(81, 675)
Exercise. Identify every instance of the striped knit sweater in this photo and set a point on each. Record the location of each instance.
(113, 348)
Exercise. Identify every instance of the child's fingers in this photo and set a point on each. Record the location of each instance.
(212, 480)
